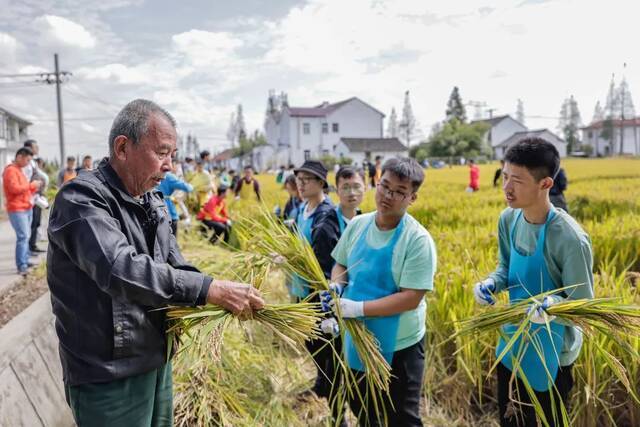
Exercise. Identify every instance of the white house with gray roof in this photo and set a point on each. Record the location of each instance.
(295, 134)
(546, 134)
(500, 129)
(361, 149)
(13, 133)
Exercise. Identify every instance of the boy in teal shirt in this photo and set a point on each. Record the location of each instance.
(541, 249)
(385, 263)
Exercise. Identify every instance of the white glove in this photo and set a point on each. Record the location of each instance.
(330, 326)
(229, 222)
(538, 311)
(289, 222)
(483, 292)
(348, 308)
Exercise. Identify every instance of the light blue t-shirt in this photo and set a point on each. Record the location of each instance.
(413, 266)
(568, 257)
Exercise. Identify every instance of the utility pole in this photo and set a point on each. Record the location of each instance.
(59, 102)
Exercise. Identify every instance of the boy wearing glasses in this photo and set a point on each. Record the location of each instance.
(385, 263)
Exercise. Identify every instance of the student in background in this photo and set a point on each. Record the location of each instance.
(214, 216)
(247, 185)
(67, 173)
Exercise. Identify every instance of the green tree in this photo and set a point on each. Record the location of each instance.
(455, 107)
(457, 139)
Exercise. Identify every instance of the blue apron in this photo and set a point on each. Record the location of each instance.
(370, 278)
(341, 222)
(299, 287)
(529, 276)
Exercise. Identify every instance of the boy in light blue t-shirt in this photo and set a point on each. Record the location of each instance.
(385, 263)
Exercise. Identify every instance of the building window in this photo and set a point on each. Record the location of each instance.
(325, 128)
(590, 134)
(307, 155)
(3, 126)
(335, 128)
(306, 128)
(325, 152)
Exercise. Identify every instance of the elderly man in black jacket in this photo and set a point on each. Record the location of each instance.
(112, 260)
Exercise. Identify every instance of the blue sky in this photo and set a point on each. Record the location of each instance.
(200, 58)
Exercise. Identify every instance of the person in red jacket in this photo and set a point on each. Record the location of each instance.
(214, 216)
(18, 193)
(474, 177)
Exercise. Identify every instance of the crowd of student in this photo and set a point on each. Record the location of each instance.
(381, 264)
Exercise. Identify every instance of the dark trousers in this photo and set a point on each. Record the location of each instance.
(35, 223)
(144, 400)
(407, 369)
(174, 227)
(218, 229)
(524, 415)
(329, 376)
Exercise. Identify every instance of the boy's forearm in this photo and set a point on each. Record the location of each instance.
(405, 300)
(339, 274)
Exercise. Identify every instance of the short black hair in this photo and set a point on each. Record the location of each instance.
(345, 172)
(86, 157)
(24, 151)
(291, 180)
(29, 143)
(204, 154)
(539, 156)
(248, 167)
(71, 158)
(405, 168)
(222, 189)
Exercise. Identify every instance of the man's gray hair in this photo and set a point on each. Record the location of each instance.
(405, 168)
(133, 121)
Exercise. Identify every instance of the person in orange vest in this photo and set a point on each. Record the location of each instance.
(213, 216)
(68, 173)
(18, 192)
(474, 177)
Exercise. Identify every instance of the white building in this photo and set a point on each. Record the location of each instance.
(13, 133)
(626, 134)
(546, 134)
(361, 149)
(500, 129)
(295, 134)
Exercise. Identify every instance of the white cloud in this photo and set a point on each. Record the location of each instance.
(88, 128)
(207, 48)
(8, 47)
(65, 31)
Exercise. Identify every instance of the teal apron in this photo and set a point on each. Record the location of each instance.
(299, 287)
(529, 276)
(371, 278)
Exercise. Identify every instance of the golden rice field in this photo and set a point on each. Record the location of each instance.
(256, 379)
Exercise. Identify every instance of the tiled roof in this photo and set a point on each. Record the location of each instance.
(374, 144)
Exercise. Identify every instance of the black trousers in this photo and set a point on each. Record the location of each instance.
(174, 227)
(35, 223)
(525, 415)
(218, 229)
(407, 369)
(329, 376)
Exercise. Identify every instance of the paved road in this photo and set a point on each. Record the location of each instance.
(8, 270)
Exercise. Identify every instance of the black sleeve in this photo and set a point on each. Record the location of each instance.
(324, 238)
(256, 187)
(82, 226)
(561, 180)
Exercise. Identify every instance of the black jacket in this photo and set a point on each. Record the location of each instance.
(325, 236)
(321, 243)
(112, 259)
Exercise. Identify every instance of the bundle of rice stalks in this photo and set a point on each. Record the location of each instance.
(267, 236)
(293, 323)
(597, 318)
